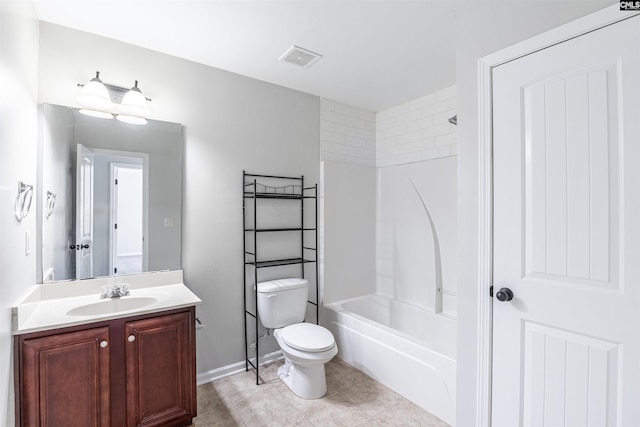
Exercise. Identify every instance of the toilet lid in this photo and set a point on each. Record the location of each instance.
(308, 337)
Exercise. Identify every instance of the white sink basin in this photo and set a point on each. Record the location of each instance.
(111, 305)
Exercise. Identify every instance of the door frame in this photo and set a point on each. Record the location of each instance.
(581, 26)
(113, 208)
(146, 206)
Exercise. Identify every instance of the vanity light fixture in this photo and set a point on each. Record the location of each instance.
(134, 103)
(94, 95)
(104, 101)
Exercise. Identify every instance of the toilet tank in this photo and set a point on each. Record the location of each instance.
(282, 302)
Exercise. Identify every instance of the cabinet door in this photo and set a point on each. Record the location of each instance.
(160, 361)
(65, 379)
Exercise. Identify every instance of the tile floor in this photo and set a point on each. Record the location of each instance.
(352, 399)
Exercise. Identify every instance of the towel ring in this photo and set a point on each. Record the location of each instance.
(51, 203)
(23, 200)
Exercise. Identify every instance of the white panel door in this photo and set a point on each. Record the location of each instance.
(84, 212)
(566, 348)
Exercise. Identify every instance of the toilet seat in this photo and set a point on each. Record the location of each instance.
(308, 337)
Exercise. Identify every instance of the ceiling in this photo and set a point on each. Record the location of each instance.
(376, 53)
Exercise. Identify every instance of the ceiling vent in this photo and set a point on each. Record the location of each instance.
(301, 57)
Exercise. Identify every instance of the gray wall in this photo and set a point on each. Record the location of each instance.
(58, 171)
(18, 143)
(230, 123)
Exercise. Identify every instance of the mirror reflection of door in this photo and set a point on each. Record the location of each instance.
(102, 206)
(84, 213)
(127, 195)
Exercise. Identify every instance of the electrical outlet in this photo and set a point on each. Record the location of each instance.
(169, 222)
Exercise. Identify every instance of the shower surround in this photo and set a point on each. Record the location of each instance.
(390, 282)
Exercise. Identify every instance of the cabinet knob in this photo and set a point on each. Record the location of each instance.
(104, 343)
(131, 338)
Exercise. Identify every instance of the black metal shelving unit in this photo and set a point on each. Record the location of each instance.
(292, 188)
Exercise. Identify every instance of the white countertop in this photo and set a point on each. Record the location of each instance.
(47, 306)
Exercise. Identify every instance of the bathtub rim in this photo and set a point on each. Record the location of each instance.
(338, 308)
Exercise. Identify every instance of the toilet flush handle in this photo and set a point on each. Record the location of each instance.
(271, 295)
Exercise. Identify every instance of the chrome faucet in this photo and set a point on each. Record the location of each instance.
(114, 291)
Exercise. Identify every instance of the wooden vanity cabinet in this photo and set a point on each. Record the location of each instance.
(135, 371)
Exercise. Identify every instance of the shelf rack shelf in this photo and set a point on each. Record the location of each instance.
(292, 188)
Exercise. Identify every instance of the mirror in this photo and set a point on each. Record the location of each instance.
(109, 196)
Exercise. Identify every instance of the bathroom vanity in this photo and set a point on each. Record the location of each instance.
(127, 361)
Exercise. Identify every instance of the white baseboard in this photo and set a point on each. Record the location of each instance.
(234, 368)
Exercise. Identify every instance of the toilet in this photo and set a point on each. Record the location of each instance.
(282, 305)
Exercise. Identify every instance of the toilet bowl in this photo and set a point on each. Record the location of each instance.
(306, 348)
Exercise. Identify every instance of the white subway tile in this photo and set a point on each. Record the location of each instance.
(414, 131)
(345, 130)
(326, 125)
(367, 116)
(331, 116)
(394, 111)
(345, 150)
(421, 145)
(394, 131)
(413, 115)
(364, 153)
(367, 134)
(355, 142)
(423, 123)
(327, 147)
(454, 150)
(443, 117)
(409, 137)
(418, 104)
(382, 124)
(332, 157)
(386, 142)
(392, 151)
(331, 137)
(409, 158)
(326, 104)
(436, 130)
(446, 93)
(438, 107)
(355, 122)
(435, 153)
(385, 161)
(345, 110)
(448, 139)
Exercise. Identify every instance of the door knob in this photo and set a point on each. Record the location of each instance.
(504, 294)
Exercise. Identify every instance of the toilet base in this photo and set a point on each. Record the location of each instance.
(308, 382)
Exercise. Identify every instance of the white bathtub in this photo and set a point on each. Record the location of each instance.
(408, 349)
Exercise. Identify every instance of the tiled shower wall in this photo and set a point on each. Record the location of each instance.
(417, 130)
(411, 132)
(347, 134)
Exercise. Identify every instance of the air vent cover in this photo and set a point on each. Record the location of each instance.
(301, 57)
